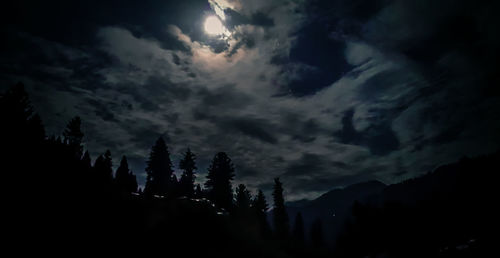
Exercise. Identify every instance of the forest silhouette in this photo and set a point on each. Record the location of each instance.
(57, 198)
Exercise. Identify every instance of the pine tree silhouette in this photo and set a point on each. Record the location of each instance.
(188, 166)
(281, 222)
(86, 161)
(21, 126)
(260, 206)
(220, 175)
(159, 170)
(174, 186)
(86, 174)
(132, 184)
(198, 193)
(243, 199)
(21, 141)
(103, 173)
(73, 136)
(17, 113)
(123, 180)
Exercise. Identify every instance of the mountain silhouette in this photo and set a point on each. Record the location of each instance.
(333, 207)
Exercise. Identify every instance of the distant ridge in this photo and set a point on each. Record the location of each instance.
(463, 183)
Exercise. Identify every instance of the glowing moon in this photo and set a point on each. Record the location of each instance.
(213, 26)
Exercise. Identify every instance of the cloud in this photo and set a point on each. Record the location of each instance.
(322, 93)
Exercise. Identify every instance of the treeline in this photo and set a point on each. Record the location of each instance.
(57, 188)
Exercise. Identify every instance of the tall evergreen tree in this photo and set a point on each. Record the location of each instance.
(132, 185)
(86, 161)
(103, 171)
(122, 176)
(86, 176)
(243, 198)
(281, 222)
(198, 193)
(108, 163)
(73, 136)
(188, 166)
(21, 138)
(298, 229)
(174, 186)
(259, 205)
(159, 170)
(16, 111)
(220, 175)
(317, 233)
(20, 124)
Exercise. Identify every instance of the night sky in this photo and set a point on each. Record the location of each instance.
(320, 93)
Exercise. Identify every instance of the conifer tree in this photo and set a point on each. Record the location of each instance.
(260, 207)
(103, 171)
(86, 161)
(20, 124)
(243, 198)
(260, 203)
(281, 222)
(21, 138)
(220, 175)
(159, 170)
(132, 183)
(86, 173)
(188, 166)
(122, 176)
(73, 136)
(198, 193)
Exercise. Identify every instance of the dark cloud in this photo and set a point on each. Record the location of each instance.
(379, 138)
(255, 128)
(316, 49)
(235, 18)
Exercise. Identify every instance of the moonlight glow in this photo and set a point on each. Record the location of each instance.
(213, 26)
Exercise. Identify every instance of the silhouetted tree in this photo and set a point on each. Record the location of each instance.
(259, 205)
(198, 193)
(103, 171)
(298, 229)
(174, 186)
(86, 161)
(125, 181)
(18, 117)
(317, 233)
(132, 184)
(159, 170)
(188, 166)
(20, 125)
(243, 198)
(21, 139)
(220, 174)
(86, 175)
(281, 222)
(73, 136)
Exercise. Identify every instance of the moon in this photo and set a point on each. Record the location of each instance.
(213, 26)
